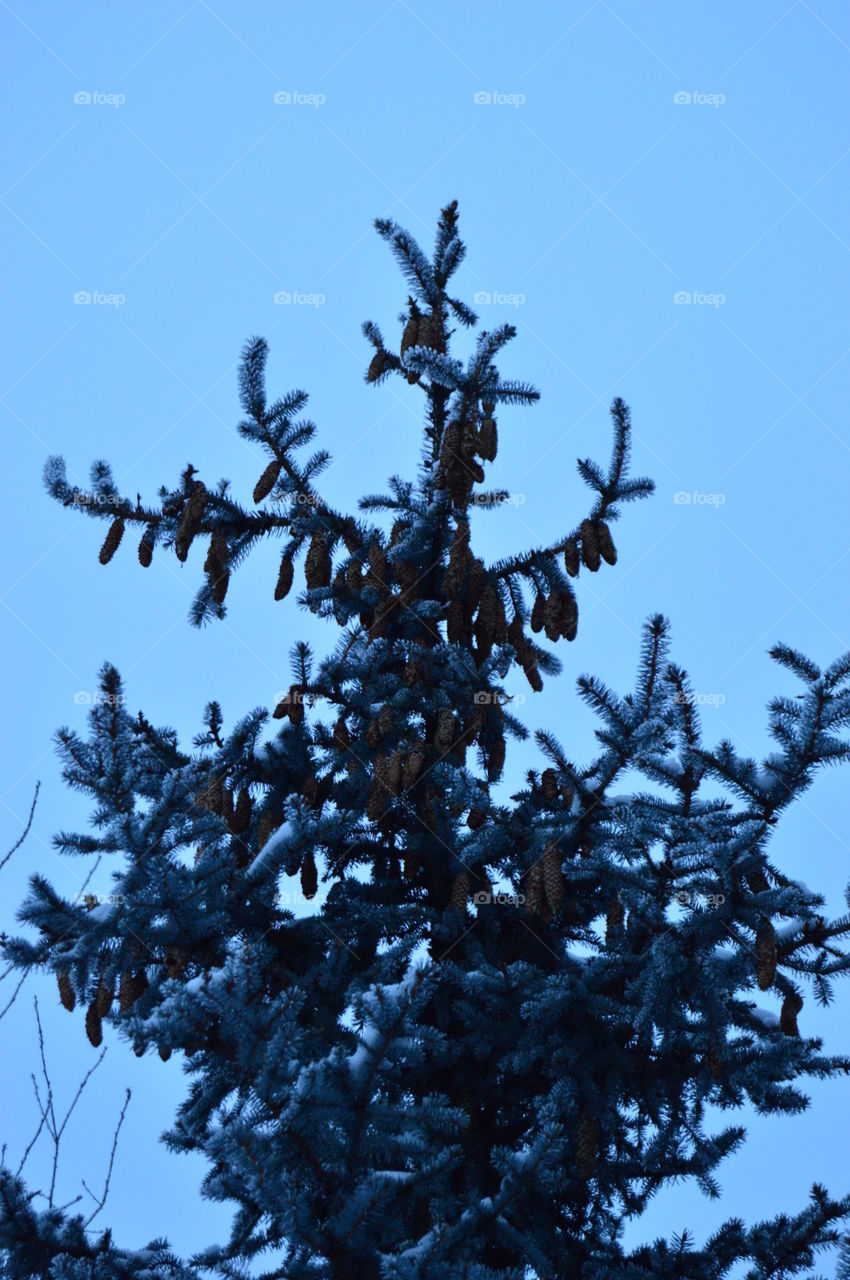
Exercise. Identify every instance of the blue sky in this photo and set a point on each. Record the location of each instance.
(183, 197)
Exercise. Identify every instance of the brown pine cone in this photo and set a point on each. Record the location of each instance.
(130, 988)
(571, 558)
(549, 786)
(378, 573)
(460, 892)
(317, 563)
(538, 612)
(395, 770)
(715, 1064)
(587, 1144)
(475, 819)
(496, 759)
(146, 549)
(614, 919)
(590, 552)
(309, 876)
(190, 521)
(414, 763)
(111, 542)
(385, 719)
(376, 366)
(241, 813)
(104, 998)
(284, 577)
(791, 1006)
(569, 616)
(446, 730)
(94, 1029)
(414, 673)
(267, 481)
(552, 617)
(766, 957)
(164, 1053)
(488, 440)
(535, 897)
(66, 992)
(269, 822)
(606, 543)
(553, 879)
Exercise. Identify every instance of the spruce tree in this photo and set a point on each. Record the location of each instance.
(515, 1017)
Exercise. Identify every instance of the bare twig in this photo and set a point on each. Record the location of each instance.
(16, 846)
(102, 1201)
(14, 995)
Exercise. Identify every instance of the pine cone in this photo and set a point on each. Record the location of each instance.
(590, 552)
(430, 333)
(216, 566)
(413, 764)
(190, 522)
(571, 558)
(164, 1053)
(267, 481)
(284, 577)
(385, 719)
(553, 880)
(414, 673)
(496, 759)
(354, 574)
(549, 786)
(409, 337)
(395, 770)
(537, 612)
(455, 622)
(766, 957)
(587, 1144)
(475, 819)
(66, 992)
(535, 897)
(176, 962)
(758, 882)
(241, 813)
(227, 806)
(94, 1029)
(446, 729)
(296, 704)
(104, 998)
(268, 823)
(487, 440)
(342, 738)
(378, 573)
(131, 987)
(552, 617)
(532, 674)
(614, 920)
(373, 733)
(112, 540)
(715, 1064)
(606, 543)
(309, 876)
(146, 549)
(460, 892)
(791, 1006)
(310, 790)
(317, 564)
(376, 803)
(569, 616)
(376, 366)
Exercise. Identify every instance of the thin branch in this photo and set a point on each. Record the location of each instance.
(102, 1201)
(16, 846)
